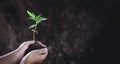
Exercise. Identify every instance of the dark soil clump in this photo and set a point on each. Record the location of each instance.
(32, 47)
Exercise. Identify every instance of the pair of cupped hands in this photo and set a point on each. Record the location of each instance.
(33, 57)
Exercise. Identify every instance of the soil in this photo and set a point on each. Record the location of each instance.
(34, 46)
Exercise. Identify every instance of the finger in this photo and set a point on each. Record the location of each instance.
(40, 54)
(25, 45)
(41, 44)
(44, 54)
(42, 51)
(29, 42)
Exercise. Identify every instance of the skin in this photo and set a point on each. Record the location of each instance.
(35, 57)
(15, 56)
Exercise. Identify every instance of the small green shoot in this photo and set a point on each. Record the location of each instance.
(37, 19)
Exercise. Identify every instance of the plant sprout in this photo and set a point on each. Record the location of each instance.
(37, 19)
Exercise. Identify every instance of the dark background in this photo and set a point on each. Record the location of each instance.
(76, 31)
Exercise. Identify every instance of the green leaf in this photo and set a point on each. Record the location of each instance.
(32, 15)
(37, 17)
(34, 30)
(31, 18)
(42, 18)
(32, 26)
(29, 13)
(38, 22)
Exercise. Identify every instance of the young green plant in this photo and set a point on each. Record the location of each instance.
(37, 19)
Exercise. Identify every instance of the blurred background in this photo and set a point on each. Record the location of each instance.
(76, 31)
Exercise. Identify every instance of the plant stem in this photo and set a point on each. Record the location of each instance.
(34, 33)
(33, 36)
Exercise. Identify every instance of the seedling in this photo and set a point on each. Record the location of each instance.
(37, 19)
